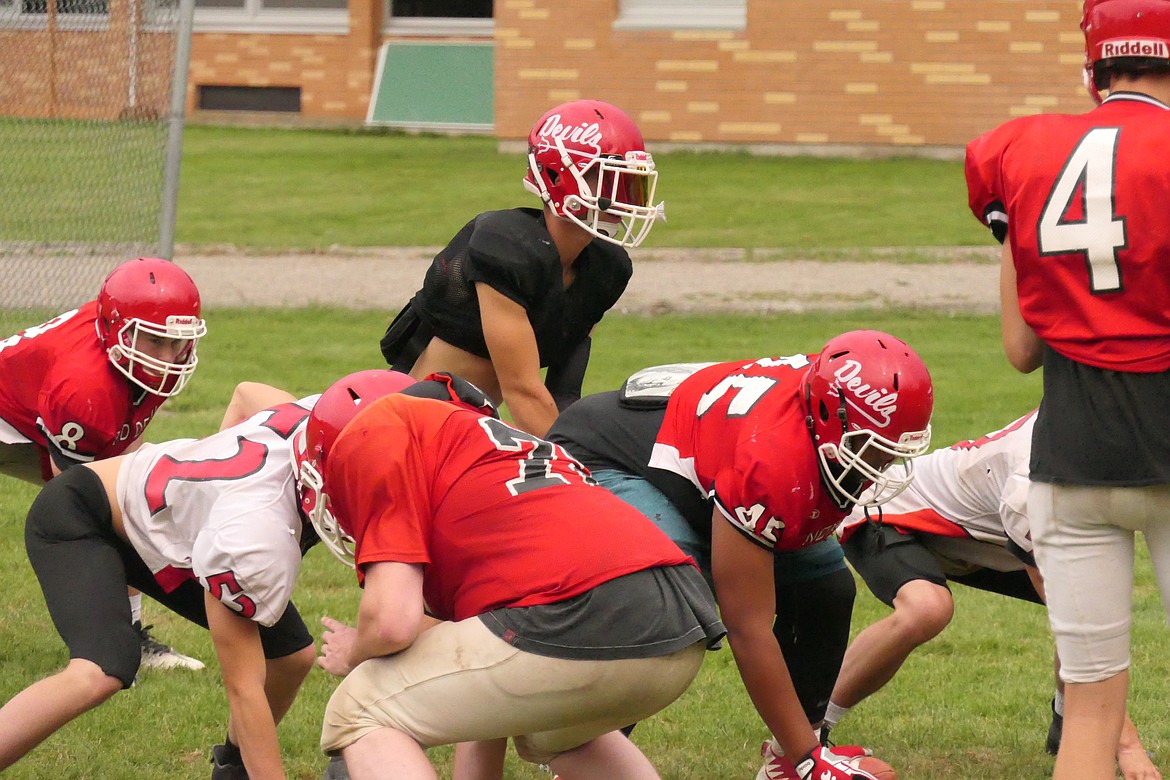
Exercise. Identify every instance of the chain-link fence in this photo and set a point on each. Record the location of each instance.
(86, 118)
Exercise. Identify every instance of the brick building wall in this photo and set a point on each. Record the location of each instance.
(58, 71)
(333, 72)
(854, 72)
(866, 73)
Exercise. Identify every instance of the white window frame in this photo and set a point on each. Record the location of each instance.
(255, 18)
(681, 15)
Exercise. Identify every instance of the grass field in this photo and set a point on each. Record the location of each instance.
(272, 188)
(972, 704)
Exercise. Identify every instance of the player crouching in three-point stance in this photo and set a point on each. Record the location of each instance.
(84, 385)
(963, 519)
(749, 466)
(211, 529)
(569, 615)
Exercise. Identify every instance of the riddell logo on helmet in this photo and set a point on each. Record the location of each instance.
(182, 320)
(875, 404)
(1134, 47)
(582, 134)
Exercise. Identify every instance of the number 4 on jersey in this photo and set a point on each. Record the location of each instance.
(1099, 232)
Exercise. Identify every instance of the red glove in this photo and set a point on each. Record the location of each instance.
(825, 764)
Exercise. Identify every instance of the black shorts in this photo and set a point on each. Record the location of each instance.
(887, 559)
(84, 569)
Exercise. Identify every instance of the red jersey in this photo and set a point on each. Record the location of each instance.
(58, 388)
(738, 433)
(498, 517)
(1085, 199)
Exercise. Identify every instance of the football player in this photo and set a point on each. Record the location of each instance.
(521, 289)
(963, 519)
(505, 538)
(211, 529)
(1078, 201)
(84, 385)
(749, 466)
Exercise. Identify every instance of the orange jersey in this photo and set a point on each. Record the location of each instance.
(497, 517)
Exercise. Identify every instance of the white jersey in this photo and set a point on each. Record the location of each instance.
(973, 490)
(222, 510)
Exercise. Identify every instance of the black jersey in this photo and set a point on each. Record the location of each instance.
(605, 433)
(513, 253)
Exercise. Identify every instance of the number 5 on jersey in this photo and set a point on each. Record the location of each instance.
(225, 588)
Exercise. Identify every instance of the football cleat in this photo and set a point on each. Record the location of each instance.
(1055, 730)
(227, 763)
(156, 655)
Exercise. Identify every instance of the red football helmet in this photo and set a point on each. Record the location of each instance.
(869, 399)
(1123, 28)
(331, 413)
(588, 162)
(143, 304)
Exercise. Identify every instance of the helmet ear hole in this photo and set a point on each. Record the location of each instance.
(823, 410)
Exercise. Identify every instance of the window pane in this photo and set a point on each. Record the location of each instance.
(83, 6)
(681, 14)
(66, 6)
(458, 9)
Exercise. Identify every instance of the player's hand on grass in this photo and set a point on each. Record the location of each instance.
(336, 647)
(1136, 765)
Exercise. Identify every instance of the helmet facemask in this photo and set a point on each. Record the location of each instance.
(587, 161)
(621, 187)
(331, 413)
(861, 462)
(159, 377)
(869, 399)
(314, 503)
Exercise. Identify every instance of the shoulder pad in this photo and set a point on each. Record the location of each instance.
(652, 387)
(442, 386)
(512, 232)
